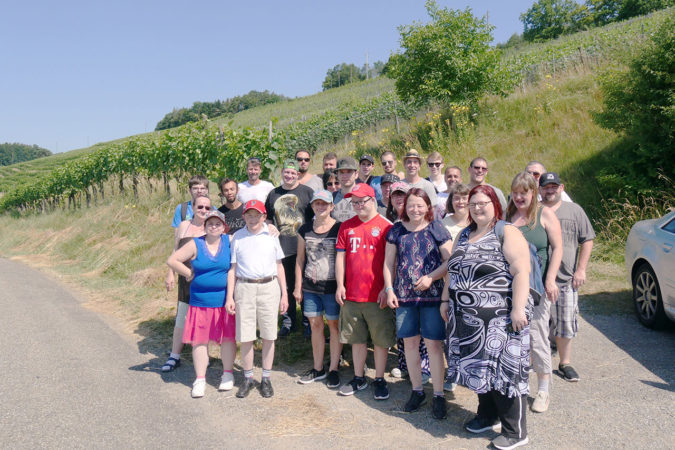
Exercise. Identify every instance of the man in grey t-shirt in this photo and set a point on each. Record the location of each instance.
(412, 162)
(578, 235)
(478, 170)
(347, 173)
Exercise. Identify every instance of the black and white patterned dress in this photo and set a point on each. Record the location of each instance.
(483, 354)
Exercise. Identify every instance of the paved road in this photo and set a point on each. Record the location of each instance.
(70, 380)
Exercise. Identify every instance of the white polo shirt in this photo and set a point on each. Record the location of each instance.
(256, 255)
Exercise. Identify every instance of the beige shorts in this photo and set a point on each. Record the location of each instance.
(181, 314)
(256, 304)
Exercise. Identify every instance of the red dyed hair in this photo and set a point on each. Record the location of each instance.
(488, 191)
(417, 192)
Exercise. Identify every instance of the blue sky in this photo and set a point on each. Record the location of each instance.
(74, 73)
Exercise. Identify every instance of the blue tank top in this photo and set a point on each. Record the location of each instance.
(209, 286)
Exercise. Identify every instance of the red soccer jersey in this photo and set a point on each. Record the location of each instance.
(363, 244)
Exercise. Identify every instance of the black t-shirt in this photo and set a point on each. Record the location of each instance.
(289, 210)
(234, 218)
(318, 275)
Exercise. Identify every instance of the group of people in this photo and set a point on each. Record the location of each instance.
(445, 267)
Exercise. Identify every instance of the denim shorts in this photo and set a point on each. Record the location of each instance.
(424, 320)
(316, 304)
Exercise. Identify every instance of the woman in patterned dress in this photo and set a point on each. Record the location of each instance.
(414, 265)
(487, 295)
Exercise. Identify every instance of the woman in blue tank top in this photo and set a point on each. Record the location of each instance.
(207, 321)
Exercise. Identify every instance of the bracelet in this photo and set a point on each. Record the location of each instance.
(387, 289)
(445, 301)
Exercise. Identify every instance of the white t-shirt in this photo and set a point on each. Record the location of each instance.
(256, 255)
(258, 192)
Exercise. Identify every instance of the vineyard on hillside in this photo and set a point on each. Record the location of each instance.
(216, 150)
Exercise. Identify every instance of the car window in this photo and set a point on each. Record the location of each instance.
(670, 226)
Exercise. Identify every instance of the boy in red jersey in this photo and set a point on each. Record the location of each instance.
(358, 270)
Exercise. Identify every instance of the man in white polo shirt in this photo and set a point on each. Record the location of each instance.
(256, 293)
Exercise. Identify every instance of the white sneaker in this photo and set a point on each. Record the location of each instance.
(198, 388)
(398, 373)
(540, 403)
(449, 386)
(226, 382)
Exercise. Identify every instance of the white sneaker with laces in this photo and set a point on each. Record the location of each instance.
(198, 388)
(226, 382)
(540, 403)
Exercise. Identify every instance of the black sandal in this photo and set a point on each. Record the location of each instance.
(171, 364)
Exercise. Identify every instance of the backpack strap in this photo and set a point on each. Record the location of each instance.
(183, 210)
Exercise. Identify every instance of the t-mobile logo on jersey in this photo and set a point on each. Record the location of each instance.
(354, 241)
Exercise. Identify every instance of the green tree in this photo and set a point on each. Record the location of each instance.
(632, 8)
(602, 12)
(548, 19)
(515, 41)
(640, 102)
(342, 74)
(449, 59)
(12, 153)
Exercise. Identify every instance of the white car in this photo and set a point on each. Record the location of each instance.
(650, 260)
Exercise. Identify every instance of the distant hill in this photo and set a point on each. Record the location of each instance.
(11, 153)
(218, 108)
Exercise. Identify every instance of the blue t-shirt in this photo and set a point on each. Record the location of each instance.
(376, 184)
(176, 215)
(209, 285)
(418, 254)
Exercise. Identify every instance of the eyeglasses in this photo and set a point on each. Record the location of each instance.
(208, 208)
(302, 159)
(480, 168)
(386, 163)
(434, 164)
(361, 203)
(479, 204)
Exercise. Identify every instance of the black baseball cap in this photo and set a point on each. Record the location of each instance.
(549, 178)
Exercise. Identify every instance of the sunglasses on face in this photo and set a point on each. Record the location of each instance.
(208, 208)
(333, 183)
(302, 159)
(479, 168)
(434, 164)
(386, 163)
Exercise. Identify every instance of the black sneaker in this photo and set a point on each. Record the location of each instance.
(479, 424)
(357, 384)
(333, 379)
(312, 375)
(504, 443)
(284, 332)
(245, 388)
(381, 392)
(416, 400)
(266, 387)
(439, 408)
(568, 373)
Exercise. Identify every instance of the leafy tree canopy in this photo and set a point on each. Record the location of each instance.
(640, 102)
(448, 59)
(548, 19)
(348, 73)
(11, 153)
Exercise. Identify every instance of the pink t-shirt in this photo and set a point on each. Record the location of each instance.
(363, 244)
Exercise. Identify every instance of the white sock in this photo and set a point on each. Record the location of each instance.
(543, 384)
(174, 355)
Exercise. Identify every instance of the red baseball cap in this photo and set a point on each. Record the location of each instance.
(255, 204)
(361, 190)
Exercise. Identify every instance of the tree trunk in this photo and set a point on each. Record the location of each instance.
(122, 184)
(167, 188)
(100, 188)
(93, 191)
(86, 192)
(134, 180)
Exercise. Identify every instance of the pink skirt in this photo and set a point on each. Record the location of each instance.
(204, 325)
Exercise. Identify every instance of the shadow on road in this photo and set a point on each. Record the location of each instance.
(612, 314)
